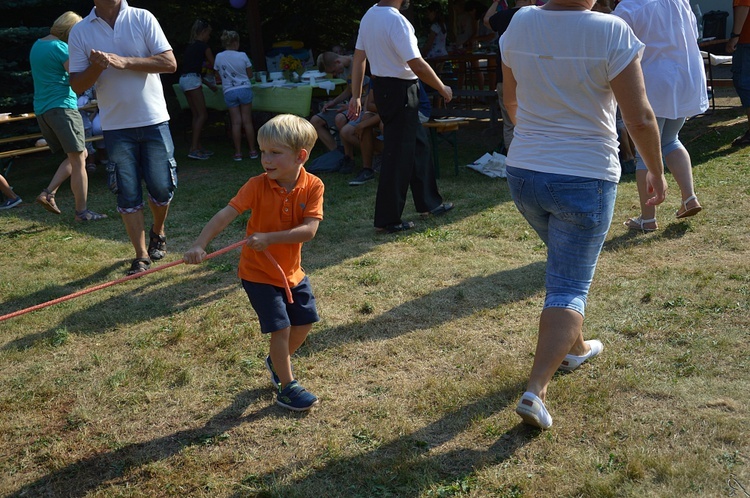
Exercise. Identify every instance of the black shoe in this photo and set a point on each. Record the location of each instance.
(157, 245)
(363, 177)
(346, 165)
(138, 265)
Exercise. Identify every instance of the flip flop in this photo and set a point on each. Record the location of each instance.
(689, 212)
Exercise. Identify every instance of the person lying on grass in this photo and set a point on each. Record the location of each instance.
(287, 205)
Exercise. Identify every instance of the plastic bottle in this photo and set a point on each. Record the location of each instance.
(699, 20)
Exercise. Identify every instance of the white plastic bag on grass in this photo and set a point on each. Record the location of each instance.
(492, 165)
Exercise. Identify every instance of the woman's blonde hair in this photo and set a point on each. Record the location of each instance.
(63, 24)
(289, 131)
(229, 37)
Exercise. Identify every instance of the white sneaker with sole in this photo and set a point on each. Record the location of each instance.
(571, 361)
(533, 412)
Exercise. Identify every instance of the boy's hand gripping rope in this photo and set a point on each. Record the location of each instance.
(142, 274)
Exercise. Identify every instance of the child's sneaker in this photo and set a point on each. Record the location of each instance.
(11, 203)
(275, 381)
(295, 397)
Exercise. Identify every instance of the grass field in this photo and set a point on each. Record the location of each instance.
(156, 387)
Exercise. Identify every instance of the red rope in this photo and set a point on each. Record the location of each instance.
(118, 281)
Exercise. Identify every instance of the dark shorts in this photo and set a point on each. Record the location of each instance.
(274, 313)
(741, 73)
(63, 129)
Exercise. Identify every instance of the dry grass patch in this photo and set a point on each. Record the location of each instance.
(156, 387)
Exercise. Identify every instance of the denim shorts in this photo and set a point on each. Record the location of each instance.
(669, 131)
(142, 154)
(241, 96)
(572, 215)
(741, 73)
(274, 313)
(190, 81)
(63, 129)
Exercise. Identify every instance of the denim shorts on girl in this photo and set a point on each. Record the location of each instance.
(572, 215)
(190, 81)
(273, 310)
(238, 97)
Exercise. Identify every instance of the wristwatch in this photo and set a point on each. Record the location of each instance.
(734, 35)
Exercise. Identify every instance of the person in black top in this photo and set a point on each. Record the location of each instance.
(499, 21)
(196, 53)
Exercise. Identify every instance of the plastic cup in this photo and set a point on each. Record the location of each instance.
(312, 80)
(263, 76)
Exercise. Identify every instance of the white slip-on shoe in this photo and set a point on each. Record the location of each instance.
(571, 361)
(533, 412)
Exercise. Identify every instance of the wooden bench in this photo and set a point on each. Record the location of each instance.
(7, 156)
(445, 130)
(465, 105)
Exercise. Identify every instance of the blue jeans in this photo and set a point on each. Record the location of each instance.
(572, 215)
(142, 154)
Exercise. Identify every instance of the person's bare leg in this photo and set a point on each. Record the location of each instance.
(235, 116)
(647, 212)
(367, 147)
(246, 110)
(134, 227)
(678, 162)
(560, 333)
(197, 103)
(79, 180)
(5, 188)
(323, 134)
(279, 352)
(63, 173)
(160, 216)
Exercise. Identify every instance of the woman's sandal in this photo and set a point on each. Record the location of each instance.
(691, 211)
(47, 200)
(89, 215)
(139, 265)
(639, 224)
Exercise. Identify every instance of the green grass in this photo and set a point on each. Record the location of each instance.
(156, 387)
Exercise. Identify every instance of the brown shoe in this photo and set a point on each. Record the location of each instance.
(47, 200)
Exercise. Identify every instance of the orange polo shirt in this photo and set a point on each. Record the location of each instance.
(274, 209)
(745, 33)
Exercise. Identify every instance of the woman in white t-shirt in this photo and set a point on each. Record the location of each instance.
(676, 88)
(563, 66)
(235, 70)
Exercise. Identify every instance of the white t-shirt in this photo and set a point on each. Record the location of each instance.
(563, 62)
(672, 63)
(438, 44)
(127, 99)
(389, 41)
(232, 68)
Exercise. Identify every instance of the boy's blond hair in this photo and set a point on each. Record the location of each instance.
(229, 37)
(326, 60)
(63, 24)
(289, 131)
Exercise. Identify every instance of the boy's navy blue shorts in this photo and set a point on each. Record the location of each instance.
(274, 313)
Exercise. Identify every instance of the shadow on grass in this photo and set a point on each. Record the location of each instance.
(674, 230)
(146, 302)
(451, 303)
(409, 464)
(84, 476)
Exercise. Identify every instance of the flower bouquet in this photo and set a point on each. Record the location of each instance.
(291, 66)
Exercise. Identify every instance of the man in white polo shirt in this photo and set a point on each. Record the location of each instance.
(386, 38)
(122, 50)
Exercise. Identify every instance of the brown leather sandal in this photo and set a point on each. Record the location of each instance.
(47, 200)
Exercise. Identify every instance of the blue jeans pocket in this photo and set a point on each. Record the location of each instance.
(515, 185)
(580, 204)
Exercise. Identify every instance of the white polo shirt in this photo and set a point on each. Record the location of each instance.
(127, 99)
(388, 40)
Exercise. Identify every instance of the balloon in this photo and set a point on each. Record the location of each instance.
(238, 4)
